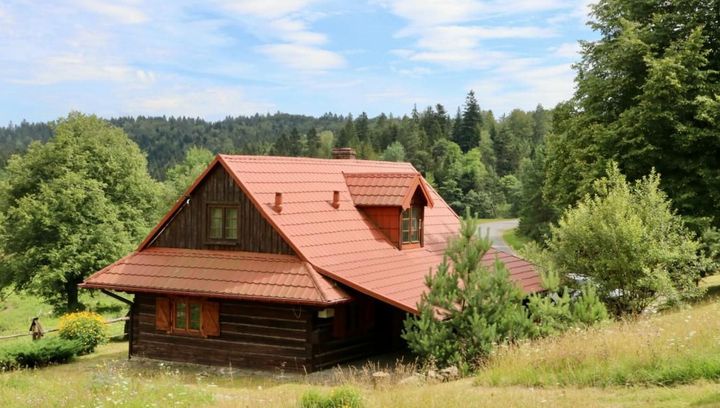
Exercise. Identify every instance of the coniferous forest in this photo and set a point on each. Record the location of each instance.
(473, 158)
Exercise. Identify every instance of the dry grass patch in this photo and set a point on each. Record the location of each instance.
(674, 348)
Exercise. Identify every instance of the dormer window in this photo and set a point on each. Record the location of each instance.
(412, 225)
(394, 202)
(223, 223)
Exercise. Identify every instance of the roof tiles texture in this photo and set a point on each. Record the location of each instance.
(341, 243)
(379, 189)
(228, 274)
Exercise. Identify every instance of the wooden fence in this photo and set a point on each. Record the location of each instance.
(110, 321)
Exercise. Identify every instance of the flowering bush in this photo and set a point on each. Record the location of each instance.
(88, 328)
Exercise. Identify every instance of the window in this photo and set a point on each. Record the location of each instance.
(412, 225)
(188, 316)
(223, 222)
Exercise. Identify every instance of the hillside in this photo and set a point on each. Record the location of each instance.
(107, 378)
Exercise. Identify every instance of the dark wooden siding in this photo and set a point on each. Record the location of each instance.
(188, 229)
(329, 350)
(388, 220)
(265, 336)
(252, 334)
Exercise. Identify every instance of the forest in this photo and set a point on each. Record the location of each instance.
(472, 158)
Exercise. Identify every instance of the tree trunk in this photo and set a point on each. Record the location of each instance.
(71, 291)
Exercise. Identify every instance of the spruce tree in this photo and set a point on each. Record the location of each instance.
(294, 143)
(468, 136)
(313, 143)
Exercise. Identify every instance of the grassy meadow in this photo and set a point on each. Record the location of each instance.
(669, 359)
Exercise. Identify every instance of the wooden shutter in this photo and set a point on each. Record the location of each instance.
(162, 314)
(210, 319)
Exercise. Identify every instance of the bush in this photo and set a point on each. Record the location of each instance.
(556, 313)
(627, 241)
(39, 353)
(87, 328)
(342, 397)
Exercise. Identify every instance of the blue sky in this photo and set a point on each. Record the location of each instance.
(219, 58)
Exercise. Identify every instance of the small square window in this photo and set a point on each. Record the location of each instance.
(223, 222)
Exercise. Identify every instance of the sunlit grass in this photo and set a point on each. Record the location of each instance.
(672, 348)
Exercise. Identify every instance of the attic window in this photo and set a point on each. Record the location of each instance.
(412, 225)
(223, 222)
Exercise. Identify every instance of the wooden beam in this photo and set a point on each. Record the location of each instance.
(116, 296)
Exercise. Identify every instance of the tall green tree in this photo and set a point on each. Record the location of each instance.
(295, 146)
(313, 143)
(468, 134)
(647, 97)
(180, 176)
(71, 206)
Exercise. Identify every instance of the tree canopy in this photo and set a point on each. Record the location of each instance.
(71, 206)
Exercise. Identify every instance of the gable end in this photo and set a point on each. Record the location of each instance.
(189, 226)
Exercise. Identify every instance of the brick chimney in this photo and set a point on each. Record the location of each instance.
(343, 153)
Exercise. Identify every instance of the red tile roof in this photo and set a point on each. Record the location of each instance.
(342, 243)
(385, 189)
(339, 243)
(223, 274)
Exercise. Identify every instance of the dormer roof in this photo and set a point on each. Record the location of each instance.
(386, 189)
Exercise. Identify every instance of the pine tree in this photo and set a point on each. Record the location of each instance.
(313, 143)
(468, 307)
(468, 136)
(348, 136)
(294, 143)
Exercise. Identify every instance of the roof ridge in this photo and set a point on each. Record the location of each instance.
(307, 266)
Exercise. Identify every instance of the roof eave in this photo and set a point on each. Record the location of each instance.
(133, 289)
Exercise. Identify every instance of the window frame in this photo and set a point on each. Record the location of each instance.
(413, 227)
(187, 330)
(224, 237)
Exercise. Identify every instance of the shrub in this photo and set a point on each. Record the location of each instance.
(39, 353)
(556, 313)
(87, 328)
(627, 241)
(342, 397)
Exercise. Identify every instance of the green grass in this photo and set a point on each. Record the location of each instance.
(107, 378)
(515, 239)
(679, 347)
(17, 311)
(665, 360)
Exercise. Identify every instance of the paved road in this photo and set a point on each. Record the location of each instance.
(496, 230)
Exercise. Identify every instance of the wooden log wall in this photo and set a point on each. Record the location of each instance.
(189, 227)
(265, 336)
(252, 335)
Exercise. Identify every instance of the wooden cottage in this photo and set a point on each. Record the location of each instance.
(293, 263)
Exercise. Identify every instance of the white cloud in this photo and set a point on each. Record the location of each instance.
(266, 9)
(303, 57)
(285, 27)
(566, 50)
(525, 87)
(78, 67)
(123, 13)
(212, 103)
